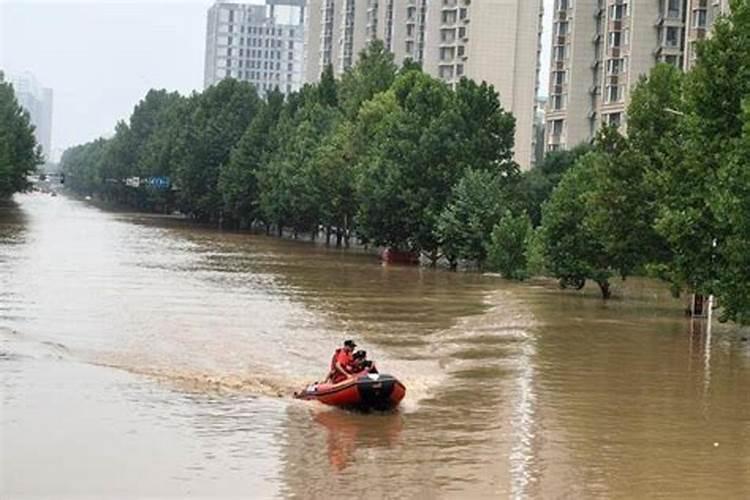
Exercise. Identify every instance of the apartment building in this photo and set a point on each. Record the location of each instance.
(600, 48)
(337, 30)
(701, 15)
(498, 41)
(37, 101)
(261, 44)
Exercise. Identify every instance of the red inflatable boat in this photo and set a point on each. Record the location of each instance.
(367, 391)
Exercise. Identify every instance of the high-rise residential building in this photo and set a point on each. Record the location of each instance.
(261, 44)
(700, 16)
(37, 101)
(497, 41)
(597, 59)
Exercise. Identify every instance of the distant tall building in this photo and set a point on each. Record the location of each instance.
(38, 101)
(597, 59)
(261, 44)
(498, 41)
(701, 16)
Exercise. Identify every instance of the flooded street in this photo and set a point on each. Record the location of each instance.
(146, 357)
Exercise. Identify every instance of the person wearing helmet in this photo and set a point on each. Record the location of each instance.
(341, 363)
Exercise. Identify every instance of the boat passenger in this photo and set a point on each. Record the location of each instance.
(361, 363)
(341, 363)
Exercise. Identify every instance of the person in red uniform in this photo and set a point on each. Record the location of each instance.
(341, 363)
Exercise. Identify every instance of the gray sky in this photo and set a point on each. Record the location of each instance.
(101, 57)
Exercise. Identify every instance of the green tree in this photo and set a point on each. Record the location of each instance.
(573, 251)
(403, 181)
(730, 201)
(82, 166)
(483, 131)
(333, 165)
(712, 126)
(508, 246)
(464, 227)
(238, 181)
(622, 206)
(19, 153)
(218, 118)
(328, 88)
(290, 188)
(535, 186)
(373, 73)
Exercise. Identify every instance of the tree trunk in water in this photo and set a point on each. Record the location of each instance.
(604, 287)
(453, 263)
(339, 237)
(280, 230)
(346, 231)
(328, 236)
(433, 256)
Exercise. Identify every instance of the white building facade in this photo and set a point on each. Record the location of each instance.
(497, 41)
(600, 48)
(37, 101)
(260, 44)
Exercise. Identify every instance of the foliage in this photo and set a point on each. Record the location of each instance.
(535, 262)
(218, 118)
(535, 186)
(622, 206)
(374, 72)
(507, 250)
(696, 215)
(730, 201)
(19, 153)
(477, 203)
(574, 252)
(238, 179)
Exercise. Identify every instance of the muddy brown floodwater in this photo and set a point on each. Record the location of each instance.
(145, 357)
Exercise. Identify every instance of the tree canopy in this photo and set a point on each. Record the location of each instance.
(19, 152)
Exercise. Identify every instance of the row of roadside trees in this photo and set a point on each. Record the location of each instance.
(379, 153)
(399, 159)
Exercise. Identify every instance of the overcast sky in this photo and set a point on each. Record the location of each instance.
(100, 56)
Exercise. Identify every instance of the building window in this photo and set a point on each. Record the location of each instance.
(557, 102)
(614, 119)
(673, 36)
(615, 39)
(449, 17)
(673, 9)
(618, 11)
(446, 72)
(447, 53)
(556, 128)
(613, 93)
(615, 66)
(699, 19)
